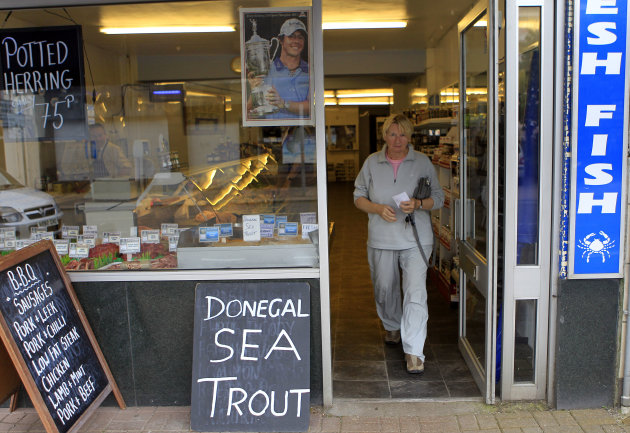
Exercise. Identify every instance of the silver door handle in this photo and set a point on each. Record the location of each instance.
(458, 205)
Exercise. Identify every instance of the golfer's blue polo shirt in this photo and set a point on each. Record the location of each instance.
(290, 88)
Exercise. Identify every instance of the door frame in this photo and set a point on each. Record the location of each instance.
(484, 375)
(536, 276)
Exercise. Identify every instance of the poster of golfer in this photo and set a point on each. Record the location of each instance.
(276, 77)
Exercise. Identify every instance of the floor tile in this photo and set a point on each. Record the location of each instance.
(455, 371)
(359, 389)
(463, 389)
(359, 370)
(418, 389)
(359, 351)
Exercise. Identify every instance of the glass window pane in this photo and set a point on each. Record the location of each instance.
(529, 136)
(525, 340)
(476, 134)
(164, 173)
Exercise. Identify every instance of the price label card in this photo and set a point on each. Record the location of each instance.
(90, 230)
(44, 235)
(89, 239)
(36, 230)
(288, 229)
(225, 230)
(169, 229)
(7, 233)
(69, 232)
(61, 245)
(111, 237)
(130, 245)
(78, 251)
(280, 219)
(209, 234)
(251, 228)
(150, 236)
(172, 242)
(19, 244)
(307, 228)
(10, 244)
(269, 219)
(267, 230)
(308, 218)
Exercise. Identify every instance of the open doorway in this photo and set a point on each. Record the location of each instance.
(364, 366)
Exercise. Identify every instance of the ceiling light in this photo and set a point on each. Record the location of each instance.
(366, 101)
(348, 25)
(165, 29)
(364, 93)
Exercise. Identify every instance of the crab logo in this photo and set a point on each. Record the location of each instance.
(596, 244)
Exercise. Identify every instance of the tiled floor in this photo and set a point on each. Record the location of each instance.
(363, 366)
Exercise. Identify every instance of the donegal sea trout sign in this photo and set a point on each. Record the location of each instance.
(49, 340)
(599, 139)
(251, 357)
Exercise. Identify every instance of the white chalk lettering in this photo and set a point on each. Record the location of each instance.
(260, 308)
(69, 339)
(291, 346)
(245, 345)
(216, 341)
(216, 381)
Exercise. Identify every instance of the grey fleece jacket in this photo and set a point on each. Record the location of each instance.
(376, 183)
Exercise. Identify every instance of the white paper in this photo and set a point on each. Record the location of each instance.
(399, 198)
(251, 228)
(307, 228)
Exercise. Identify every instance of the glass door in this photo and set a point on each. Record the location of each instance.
(477, 204)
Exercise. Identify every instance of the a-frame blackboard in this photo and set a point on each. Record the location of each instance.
(49, 339)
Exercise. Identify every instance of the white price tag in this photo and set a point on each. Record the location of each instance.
(130, 245)
(251, 228)
(61, 245)
(307, 228)
(150, 236)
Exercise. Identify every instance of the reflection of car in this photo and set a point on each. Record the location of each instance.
(23, 207)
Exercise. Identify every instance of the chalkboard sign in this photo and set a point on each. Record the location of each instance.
(42, 84)
(49, 339)
(251, 357)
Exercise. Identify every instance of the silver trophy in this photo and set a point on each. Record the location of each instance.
(258, 60)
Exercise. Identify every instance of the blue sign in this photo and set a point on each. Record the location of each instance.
(598, 154)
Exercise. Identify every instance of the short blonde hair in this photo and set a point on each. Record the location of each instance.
(402, 121)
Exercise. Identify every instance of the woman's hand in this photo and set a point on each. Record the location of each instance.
(387, 213)
(410, 205)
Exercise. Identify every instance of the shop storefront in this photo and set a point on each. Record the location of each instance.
(158, 161)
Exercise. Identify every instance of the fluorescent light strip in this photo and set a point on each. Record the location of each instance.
(165, 29)
(342, 102)
(349, 25)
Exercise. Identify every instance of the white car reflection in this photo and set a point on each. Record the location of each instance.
(23, 208)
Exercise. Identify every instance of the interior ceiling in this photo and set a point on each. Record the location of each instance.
(427, 24)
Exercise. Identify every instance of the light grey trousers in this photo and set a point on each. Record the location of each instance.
(411, 314)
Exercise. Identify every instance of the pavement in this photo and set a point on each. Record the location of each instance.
(363, 416)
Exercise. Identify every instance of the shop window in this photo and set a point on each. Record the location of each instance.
(162, 173)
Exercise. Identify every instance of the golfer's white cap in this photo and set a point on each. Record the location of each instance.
(290, 26)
